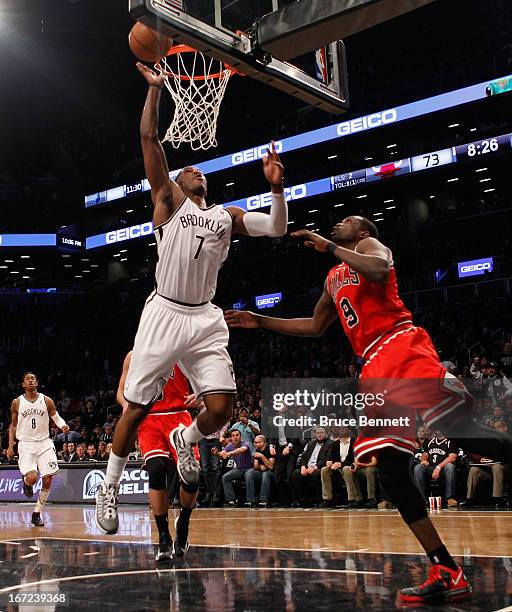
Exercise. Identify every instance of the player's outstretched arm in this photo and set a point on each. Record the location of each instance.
(54, 415)
(372, 259)
(257, 224)
(165, 193)
(324, 314)
(12, 428)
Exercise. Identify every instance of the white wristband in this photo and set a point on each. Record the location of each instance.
(58, 420)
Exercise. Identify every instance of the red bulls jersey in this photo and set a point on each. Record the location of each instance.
(173, 394)
(368, 311)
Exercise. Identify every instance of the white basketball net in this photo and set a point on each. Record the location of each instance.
(197, 85)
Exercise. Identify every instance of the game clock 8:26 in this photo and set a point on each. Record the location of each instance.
(484, 147)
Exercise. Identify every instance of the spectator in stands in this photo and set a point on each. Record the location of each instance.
(91, 452)
(72, 455)
(501, 426)
(505, 359)
(484, 470)
(63, 455)
(84, 434)
(248, 429)
(306, 480)
(108, 435)
(496, 415)
(351, 476)
(211, 465)
(438, 463)
(339, 455)
(80, 455)
(256, 415)
(102, 451)
(239, 451)
(89, 418)
(71, 436)
(261, 475)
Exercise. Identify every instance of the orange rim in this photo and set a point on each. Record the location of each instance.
(178, 49)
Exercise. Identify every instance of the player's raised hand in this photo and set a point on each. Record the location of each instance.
(241, 318)
(151, 76)
(272, 167)
(312, 240)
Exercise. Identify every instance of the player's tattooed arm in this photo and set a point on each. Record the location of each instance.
(12, 428)
(257, 224)
(372, 259)
(165, 193)
(315, 326)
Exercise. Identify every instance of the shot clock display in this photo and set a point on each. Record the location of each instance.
(484, 147)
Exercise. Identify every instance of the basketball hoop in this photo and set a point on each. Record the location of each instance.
(197, 84)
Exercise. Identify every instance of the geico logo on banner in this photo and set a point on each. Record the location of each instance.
(365, 123)
(127, 233)
(482, 266)
(243, 157)
(134, 481)
(268, 301)
(265, 199)
(475, 267)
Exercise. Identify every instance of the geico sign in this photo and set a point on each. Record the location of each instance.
(265, 199)
(476, 267)
(268, 301)
(366, 123)
(253, 154)
(127, 233)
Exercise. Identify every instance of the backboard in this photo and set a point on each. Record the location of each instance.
(263, 38)
(226, 30)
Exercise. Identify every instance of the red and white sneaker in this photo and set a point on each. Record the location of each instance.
(442, 583)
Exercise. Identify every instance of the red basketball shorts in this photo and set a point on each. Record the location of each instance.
(406, 368)
(154, 434)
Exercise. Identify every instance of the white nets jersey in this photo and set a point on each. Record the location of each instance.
(192, 246)
(33, 419)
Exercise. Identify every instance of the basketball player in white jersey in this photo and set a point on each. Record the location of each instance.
(30, 425)
(179, 323)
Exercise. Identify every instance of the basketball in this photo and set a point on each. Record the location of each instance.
(147, 44)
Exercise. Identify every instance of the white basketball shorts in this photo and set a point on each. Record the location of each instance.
(37, 456)
(195, 337)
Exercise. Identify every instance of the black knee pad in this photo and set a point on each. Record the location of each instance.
(190, 488)
(157, 469)
(395, 477)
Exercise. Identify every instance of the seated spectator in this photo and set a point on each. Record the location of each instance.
(102, 451)
(501, 426)
(84, 434)
(306, 480)
(63, 455)
(351, 476)
(287, 453)
(262, 473)
(72, 456)
(438, 463)
(91, 452)
(485, 471)
(496, 415)
(108, 434)
(71, 436)
(248, 429)
(339, 455)
(210, 465)
(239, 451)
(80, 455)
(109, 448)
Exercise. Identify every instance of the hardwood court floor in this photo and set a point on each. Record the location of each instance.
(247, 560)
